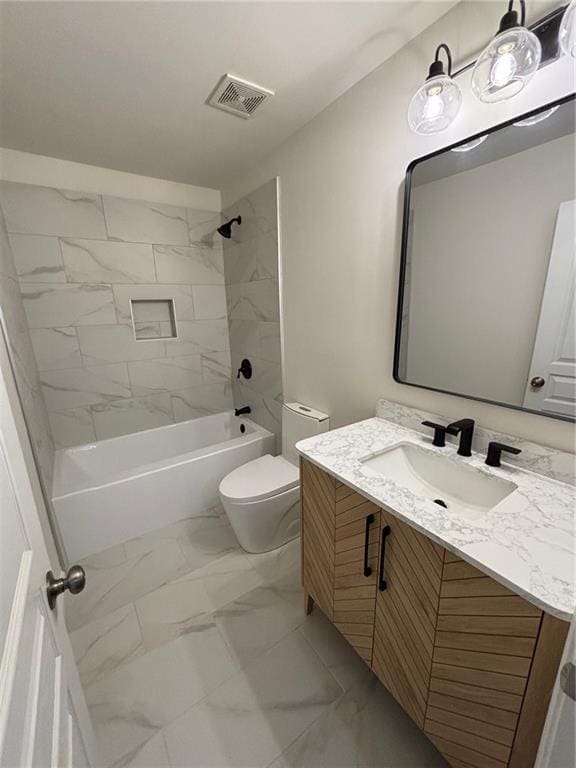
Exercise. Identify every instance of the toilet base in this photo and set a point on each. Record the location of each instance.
(261, 526)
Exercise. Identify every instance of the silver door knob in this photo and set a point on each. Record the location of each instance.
(74, 581)
(537, 382)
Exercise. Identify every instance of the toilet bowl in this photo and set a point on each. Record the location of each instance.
(262, 498)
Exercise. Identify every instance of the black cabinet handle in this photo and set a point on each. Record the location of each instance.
(382, 585)
(367, 569)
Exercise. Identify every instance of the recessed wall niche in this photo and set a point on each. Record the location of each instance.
(153, 318)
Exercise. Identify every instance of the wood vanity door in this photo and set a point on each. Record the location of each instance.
(318, 499)
(356, 546)
(483, 654)
(406, 614)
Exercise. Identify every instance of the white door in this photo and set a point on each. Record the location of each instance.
(43, 715)
(551, 385)
(558, 745)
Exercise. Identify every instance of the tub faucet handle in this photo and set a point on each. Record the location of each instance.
(245, 369)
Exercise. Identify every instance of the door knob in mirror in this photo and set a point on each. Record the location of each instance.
(74, 581)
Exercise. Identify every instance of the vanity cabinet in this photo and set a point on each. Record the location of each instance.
(469, 660)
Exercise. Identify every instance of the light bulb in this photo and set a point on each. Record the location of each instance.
(434, 105)
(503, 70)
(506, 65)
(567, 32)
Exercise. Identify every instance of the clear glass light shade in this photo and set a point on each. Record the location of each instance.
(567, 33)
(528, 121)
(470, 144)
(506, 65)
(435, 105)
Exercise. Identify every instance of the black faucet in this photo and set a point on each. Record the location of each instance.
(495, 453)
(439, 433)
(241, 411)
(464, 427)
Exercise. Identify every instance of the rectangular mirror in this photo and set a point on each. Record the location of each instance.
(486, 300)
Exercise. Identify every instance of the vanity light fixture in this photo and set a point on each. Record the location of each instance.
(437, 102)
(538, 118)
(567, 33)
(509, 61)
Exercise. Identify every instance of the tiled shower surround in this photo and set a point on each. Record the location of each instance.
(80, 258)
(24, 364)
(252, 293)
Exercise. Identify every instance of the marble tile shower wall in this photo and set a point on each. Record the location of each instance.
(252, 293)
(22, 355)
(80, 258)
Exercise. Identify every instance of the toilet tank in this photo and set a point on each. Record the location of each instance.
(298, 422)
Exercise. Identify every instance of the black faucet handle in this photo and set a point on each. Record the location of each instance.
(465, 428)
(458, 426)
(439, 433)
(495, 453)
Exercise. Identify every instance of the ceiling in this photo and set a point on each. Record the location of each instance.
(123, 85)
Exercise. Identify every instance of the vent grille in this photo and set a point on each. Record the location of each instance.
(238, 97)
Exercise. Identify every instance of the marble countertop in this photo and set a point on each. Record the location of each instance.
(525, 542)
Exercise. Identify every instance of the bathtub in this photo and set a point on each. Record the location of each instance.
(110, 491)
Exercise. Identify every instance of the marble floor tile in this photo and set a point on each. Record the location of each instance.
(255, 622)
(111, 587)
(257, 713)
(282, 564)
(336, 653)
(365, 729)
(131, 705)
(151, 754)
(107, 558)
(103, 645)
(201, 539)
(227, 579)
(178, 608)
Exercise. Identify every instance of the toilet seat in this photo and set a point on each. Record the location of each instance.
(260, 479)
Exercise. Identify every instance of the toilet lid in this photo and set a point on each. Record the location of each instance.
(260, 478)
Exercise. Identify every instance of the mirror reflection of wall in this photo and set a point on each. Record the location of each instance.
(490, 266)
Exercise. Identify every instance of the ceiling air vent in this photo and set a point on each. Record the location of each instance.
(238, 97)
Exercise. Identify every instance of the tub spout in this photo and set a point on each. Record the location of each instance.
(241, 411)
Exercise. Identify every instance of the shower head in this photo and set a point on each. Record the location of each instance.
(226, 229)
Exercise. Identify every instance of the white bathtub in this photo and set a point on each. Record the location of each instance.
(107, 492)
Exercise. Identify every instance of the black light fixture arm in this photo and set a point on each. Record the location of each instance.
(437, 68)
(510, 18)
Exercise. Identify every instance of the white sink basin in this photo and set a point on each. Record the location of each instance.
(429, 474)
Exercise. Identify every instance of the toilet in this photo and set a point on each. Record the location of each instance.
(262, 497)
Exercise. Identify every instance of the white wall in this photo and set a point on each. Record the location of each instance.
(341, 205)
(43, 171)
(474, 302)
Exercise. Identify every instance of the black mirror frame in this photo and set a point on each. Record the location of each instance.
(404, 250)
